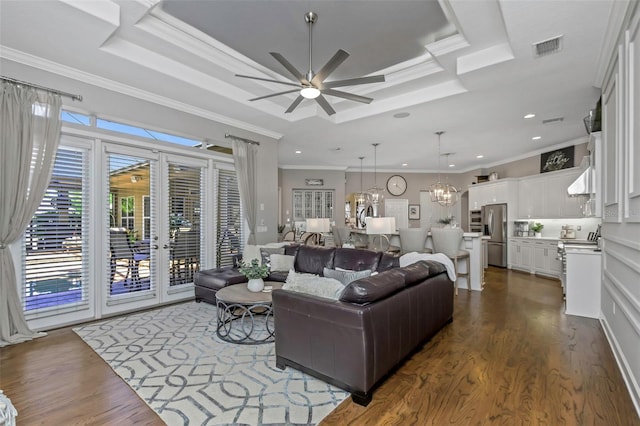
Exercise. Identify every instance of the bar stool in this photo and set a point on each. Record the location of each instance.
(447, 241)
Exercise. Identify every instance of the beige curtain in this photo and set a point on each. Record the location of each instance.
(244, 156)
(29, 137)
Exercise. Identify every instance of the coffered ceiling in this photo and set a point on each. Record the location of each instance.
(465, 67)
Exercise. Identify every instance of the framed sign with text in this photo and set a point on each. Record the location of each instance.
(557, 160)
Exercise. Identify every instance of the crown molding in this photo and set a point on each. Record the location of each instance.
(621, 12)
(103, 83)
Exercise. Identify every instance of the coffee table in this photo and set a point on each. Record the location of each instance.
(245, 317)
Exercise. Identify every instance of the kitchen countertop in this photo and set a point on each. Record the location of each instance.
(587, 251)
(535, 238)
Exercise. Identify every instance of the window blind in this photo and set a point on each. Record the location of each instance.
(185, 201)
(229, 219)
(129, 261)
(55, 266)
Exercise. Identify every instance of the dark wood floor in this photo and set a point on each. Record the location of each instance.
(509, 357)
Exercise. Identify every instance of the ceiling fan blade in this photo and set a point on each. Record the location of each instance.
(329, 67)
(275, 94)
(294, 104)
(322, 101)
(346, 95)
(289, 67)
(354, 81)
(269, 80)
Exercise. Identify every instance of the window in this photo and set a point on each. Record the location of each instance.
(55, 267)
(75, 118)
(146, 217)
(312, 204)
(145, 133)
(127, 212)
(229, 224)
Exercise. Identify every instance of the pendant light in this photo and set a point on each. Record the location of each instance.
(443, 193)
(377, 193)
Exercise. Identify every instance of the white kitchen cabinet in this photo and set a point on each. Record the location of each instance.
(521, 254)
(535, 256)
(583, 283)
(531, 197)
(559, 203)
(494, 192)
(545, 196)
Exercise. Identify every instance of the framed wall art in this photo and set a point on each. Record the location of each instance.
(414, 211)
(557, 160)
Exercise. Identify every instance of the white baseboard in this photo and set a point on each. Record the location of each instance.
(629, 379)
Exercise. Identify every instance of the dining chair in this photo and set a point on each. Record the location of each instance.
(447, 241)
(413, 240)
(121, 249)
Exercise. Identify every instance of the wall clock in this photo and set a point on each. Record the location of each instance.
(396, 185)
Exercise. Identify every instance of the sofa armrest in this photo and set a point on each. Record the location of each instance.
(324, 335)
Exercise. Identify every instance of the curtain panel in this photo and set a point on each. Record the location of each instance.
(244, 156)
(29, 137)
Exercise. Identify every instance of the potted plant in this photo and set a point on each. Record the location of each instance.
(255, 272)
(537, 229)
(446, 221)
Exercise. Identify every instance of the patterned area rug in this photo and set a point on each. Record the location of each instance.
(173, 359)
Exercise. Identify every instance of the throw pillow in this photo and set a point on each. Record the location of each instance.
(345, 276)
(281, 262)
(251, 252)
(266, 252)
(313, 284)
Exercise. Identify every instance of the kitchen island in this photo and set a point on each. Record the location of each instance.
(471, 242)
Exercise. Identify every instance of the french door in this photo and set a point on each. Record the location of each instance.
(154, 228)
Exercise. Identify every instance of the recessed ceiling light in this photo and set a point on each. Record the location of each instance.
(404, 164)
(479, 156)
(529, 116)
(298, 152)
(452, 165)
(401, 115)
(535, 138)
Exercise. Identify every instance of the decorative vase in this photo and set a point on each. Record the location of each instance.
(538, 234)
(255, 284)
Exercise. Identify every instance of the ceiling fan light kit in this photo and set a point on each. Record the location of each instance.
(312, 85)
(309, 93)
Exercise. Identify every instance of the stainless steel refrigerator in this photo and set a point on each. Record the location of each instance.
(494, 225)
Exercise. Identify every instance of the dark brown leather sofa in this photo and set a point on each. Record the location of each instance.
(309, 259)
(356, 341)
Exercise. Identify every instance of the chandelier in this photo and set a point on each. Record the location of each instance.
(362, 200)
(443, 193)
(376, 193)
(362, 197)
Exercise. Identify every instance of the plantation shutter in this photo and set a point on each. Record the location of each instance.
(185, 201)
(56, 259)
(229, 224)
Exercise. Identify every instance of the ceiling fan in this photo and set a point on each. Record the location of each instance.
(312, 85)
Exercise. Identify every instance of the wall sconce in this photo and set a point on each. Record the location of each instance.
(136, 178)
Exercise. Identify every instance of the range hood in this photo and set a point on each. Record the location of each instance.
(584, 184)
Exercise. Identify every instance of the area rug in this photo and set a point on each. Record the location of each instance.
(173, 359)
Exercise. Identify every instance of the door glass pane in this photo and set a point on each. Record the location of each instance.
(56, 249)
(229, 223)
(185, 200)
(129, 252)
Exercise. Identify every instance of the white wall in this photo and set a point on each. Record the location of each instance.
(621, 198)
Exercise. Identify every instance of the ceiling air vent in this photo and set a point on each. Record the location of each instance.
(553, 120)
(547, 47)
